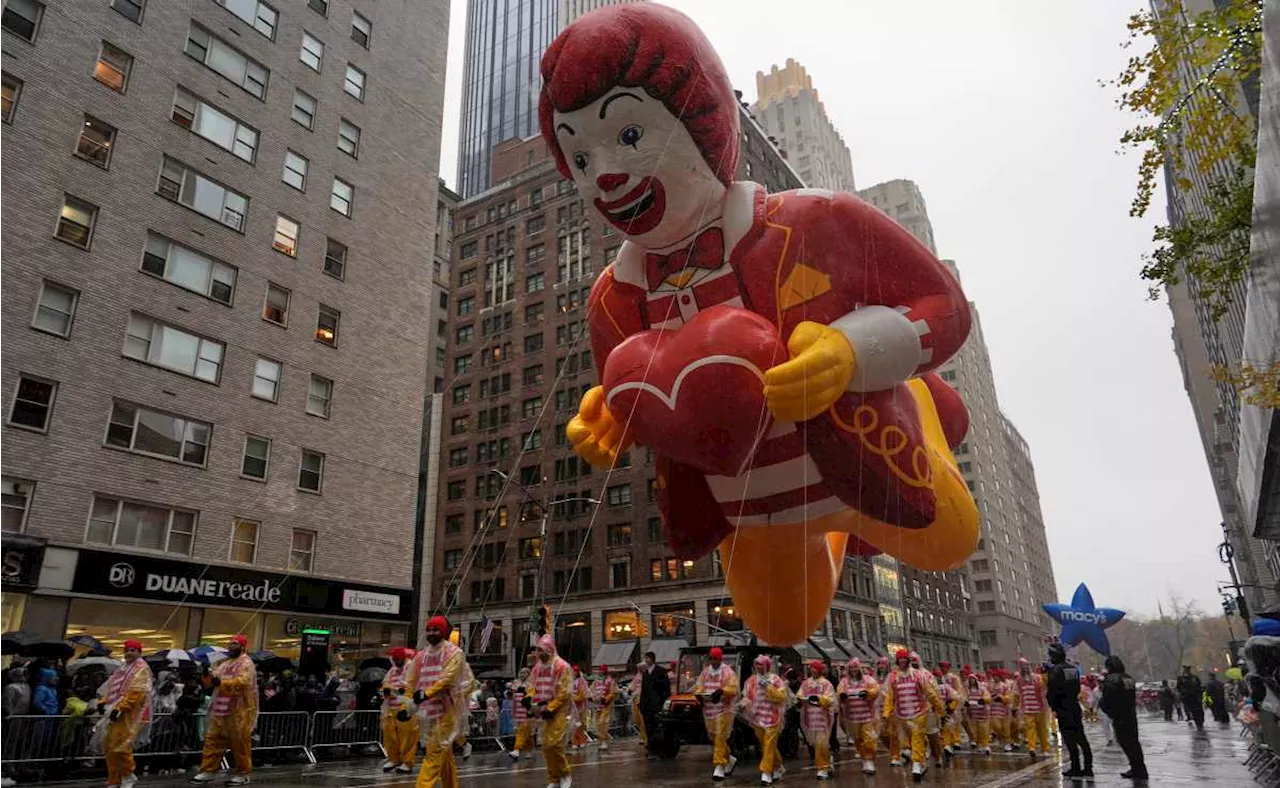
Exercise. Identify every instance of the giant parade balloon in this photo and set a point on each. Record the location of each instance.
(1082, 621)
(775, 351)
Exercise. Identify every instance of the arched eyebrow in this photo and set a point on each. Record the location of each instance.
(567, 128)
(613, 98)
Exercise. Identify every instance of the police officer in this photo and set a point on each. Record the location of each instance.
(1063, 694)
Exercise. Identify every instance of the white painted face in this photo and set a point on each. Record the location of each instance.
(637, 163)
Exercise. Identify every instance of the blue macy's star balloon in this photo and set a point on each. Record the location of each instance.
(1082, 621)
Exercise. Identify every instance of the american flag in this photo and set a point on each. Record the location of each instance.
(486, 632)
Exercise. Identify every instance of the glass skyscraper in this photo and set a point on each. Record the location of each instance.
(500, 80)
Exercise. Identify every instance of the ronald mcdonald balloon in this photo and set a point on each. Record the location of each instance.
(776, 351)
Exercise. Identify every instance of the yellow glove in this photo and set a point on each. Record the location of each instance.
(818, 373)
(594, 433)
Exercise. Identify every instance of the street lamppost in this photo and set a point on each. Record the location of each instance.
(545, 510)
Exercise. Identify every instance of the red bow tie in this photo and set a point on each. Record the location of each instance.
(706, 252)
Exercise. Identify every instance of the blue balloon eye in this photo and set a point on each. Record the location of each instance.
(630, 135)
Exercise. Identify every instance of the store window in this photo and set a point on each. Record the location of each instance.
(673, 621)
(157, 626)
(721, 613)
(621, 624)
(573, 638)
(219, 626)
(12, 607)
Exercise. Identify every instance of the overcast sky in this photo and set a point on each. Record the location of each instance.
(993, 107)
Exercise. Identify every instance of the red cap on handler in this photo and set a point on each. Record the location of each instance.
(439, 623)
(944, 665)
(902, 653)
(716, 653)
(818, 665)
(241, 639)
(136, 645)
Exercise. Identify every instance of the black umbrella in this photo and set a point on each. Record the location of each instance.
(47, 649)
(270, 663)
(376, 662)
(370, 675)
(93, 647)
(16, 640)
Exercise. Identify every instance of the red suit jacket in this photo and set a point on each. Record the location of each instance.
(830, 258)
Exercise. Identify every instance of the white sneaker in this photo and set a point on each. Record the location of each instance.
(896, 762)
(466, 751)
(733, 761)
(1008, 748)
(717, 774)
(565, 782)
(239, 779)
(985, 751)
(823, 774)
(129, 781)
(387, 765)
(868, 767)
(404, 768)
(553, 785)
(765, 779)
(604, 745)
(204, 777)
(778, 772)
(917, 771)
(514, 754)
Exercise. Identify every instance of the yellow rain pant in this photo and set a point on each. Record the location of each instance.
(438, 765)
(981, 733)
(229, 732)
(914, 731)
(553, 734)
(718, 730)
(862, 735)
(821, 749)
(770, 760)
(524, 737)
(1036, 728)
(637, 719)
(604, 716)
(400, 739)
(118, 749)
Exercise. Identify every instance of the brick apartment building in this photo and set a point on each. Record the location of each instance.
(217, 316)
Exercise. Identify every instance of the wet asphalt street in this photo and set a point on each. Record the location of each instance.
(1175, 756)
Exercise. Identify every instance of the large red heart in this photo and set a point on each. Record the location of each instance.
(696, 393)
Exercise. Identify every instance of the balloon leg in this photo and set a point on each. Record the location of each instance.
(783, 578)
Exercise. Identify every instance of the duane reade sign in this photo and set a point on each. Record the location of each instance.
(370, 602)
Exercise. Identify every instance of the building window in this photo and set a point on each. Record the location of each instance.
(12, 89)
(22, 18)
(244, 540)
(302, 551)
(96, 139)
(33, 403)
(205, 196)
(534, 282)
(141, 525)
(454, 491)
(55, 309)
(275, 309)
(159, 434)
(311, 471)
(223, 59)
(188, 269)
(466, 305)
(620, 535)
(354, 84)
(257, 453)
(295, 170)
(319, 396)
(361, 29)
(266, 379)
(172, 348)
(207, 121)
(259, 15)
(319, 6)
(113, 66)
(348, 138)
(619, 495)
(335, 258)
(341, 197)
(327, 325)
(312, 52)
(286, 237)
(304, 110)
(129, 9)
(76, 222)
(459, 457)
(15, 501)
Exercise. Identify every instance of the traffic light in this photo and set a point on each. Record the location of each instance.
(1228, 606)
(544, 619)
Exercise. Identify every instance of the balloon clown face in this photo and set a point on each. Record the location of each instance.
(777, 352)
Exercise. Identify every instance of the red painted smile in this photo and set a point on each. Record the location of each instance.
(639, 210)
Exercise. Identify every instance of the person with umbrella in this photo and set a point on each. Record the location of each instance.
(126, 700)
(438, 675)
(232, 714)
(399, 723)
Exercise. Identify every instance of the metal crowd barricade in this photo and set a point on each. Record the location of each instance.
(284, 730)
(345, 729)
(485, 734)
(39, 738)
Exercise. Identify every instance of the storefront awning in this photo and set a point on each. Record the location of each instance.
(808, 651)
(667, 650)
(829, 648)
(721, 639)
(615, 654)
